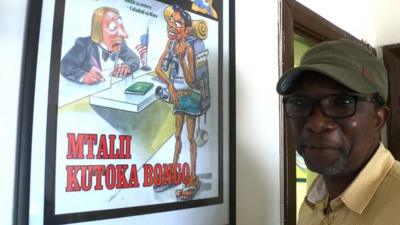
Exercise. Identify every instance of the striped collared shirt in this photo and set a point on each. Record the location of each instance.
(373, 198)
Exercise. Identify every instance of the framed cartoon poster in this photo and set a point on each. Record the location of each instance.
(131, 116)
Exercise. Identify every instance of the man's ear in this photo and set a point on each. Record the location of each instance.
(382, 115)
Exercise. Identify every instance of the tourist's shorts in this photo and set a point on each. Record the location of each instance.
(188, 103)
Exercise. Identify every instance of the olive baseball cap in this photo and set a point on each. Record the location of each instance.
(351, 64)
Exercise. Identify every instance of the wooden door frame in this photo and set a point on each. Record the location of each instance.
(391, 58)
(296, 18)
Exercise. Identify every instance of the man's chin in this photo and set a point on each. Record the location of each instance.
(336, 169)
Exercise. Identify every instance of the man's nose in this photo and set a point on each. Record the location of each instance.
(318, 122)
(122, 33)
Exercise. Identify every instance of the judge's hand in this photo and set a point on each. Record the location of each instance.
(122, 70)
(93, 76)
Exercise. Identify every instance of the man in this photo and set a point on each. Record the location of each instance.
(178, 58)
(335, 104)
(91, 57)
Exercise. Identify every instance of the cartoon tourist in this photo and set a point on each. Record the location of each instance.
(105, 51)
(205, 7)
(178, 58)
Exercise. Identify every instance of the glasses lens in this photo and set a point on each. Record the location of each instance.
(339, 105)
(298, 107)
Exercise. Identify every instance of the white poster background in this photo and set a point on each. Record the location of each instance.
(90, 122)
(204, 215)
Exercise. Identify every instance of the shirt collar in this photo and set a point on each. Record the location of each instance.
(318, 191)
(360, 192)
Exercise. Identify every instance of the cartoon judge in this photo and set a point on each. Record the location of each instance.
(105, 50)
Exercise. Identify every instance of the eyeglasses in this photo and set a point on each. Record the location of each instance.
(335, 106)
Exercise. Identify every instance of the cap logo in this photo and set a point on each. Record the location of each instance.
(368, 74)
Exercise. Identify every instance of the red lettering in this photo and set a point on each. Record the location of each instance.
(185, 173)
(81, 177)
(168, 171)
(148, 178)
(102, 150)
(176, 173)
(91, 140)
(113, 155)
(166, 174)
(125, 146)
(75, 146)
(106, 148)
(72, 180)
(98, 171)
(110, 177)
(86, 178)
(133, 177)
(158, 175)
(121, 178)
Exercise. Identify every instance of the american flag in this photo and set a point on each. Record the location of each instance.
(142, 47)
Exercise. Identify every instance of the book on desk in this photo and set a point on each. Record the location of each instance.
(139, 88)
(140, 94)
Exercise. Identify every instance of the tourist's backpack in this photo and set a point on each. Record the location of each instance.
(200, 67)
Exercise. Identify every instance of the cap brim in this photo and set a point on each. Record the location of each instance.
(336, 73)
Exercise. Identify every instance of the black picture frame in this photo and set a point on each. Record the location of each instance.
(26, 125)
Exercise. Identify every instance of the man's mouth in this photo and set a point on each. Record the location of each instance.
(116, 47)
(171, 34)
(320, 146)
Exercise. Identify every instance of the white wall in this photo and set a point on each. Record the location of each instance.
(373, 20)
(257, 120)
(387, 25)
(357, 17)
(11, 44)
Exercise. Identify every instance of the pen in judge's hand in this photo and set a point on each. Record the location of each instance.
(96, 71)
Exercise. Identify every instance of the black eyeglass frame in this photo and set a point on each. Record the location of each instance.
(378, 100)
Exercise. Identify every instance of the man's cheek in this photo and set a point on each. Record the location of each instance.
(296, 127)
(111, 35)
(353, 124)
